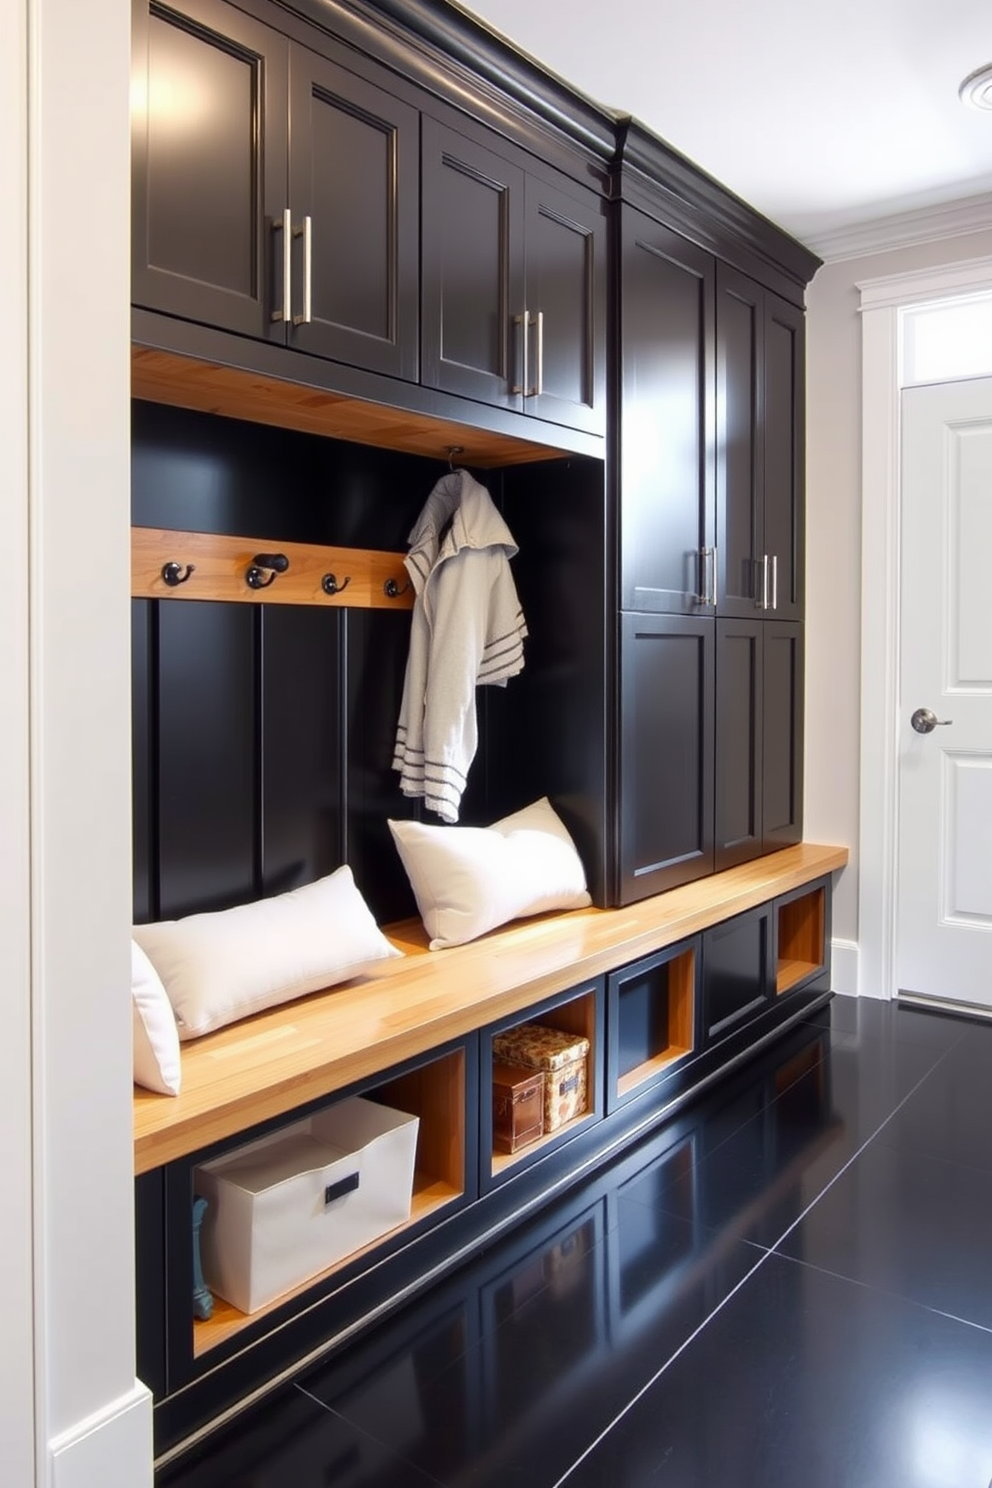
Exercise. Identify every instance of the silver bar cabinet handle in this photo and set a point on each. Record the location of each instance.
(286, 227)
(522, 321)
(774, 581)
(306, 231)
(713, 601)
(538, 387)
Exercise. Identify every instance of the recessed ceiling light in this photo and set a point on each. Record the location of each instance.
(976, 90)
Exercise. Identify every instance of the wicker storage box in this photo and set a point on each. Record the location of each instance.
(290, 1205)
(518, 1107)
(563, 1057)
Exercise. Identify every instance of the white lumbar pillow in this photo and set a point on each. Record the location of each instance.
(468, 880)
(223, 966)
(156, 1037)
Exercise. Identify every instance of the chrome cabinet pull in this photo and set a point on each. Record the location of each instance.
(774, 581)
(306, 232)
(286, 228)
(707, 577)
(522, 321)
(538, 388)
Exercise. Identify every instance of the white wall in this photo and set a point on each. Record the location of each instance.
(71, 1412)
(833, 555)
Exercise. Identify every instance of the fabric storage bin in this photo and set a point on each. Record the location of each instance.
(518, 1107)
(290, 1205)
(562, 1057)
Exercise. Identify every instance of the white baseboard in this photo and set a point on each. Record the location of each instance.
(110, 1449)
(844, 967)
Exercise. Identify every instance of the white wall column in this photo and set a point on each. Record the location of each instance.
(71, 1412)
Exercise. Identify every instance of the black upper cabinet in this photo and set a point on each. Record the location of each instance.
(209, 136)
(667, 418)
(354, 188)
(760, 397)
(513, 283)
(275, 194)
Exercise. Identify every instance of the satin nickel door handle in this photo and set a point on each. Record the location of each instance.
(762, 563)
(774, 581)
(925, 720)
(306, 233)
(286, 228)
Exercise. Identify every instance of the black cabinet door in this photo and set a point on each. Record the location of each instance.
(565, 288)
(760, 432)
(759, 738)
(354, 189)
(739, 741)
(738, 972)
(667, 420)
(740, 411)
(472, 269)
(209, 126)
(666, 752)
(783, 505)
(782, 732)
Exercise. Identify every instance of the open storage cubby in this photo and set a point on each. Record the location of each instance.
(652, 1016)
(580, 1014)
(434, 1092)
(801, 936)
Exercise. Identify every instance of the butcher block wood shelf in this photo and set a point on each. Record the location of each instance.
(268, 1065)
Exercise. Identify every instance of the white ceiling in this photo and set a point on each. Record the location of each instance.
(823, 119)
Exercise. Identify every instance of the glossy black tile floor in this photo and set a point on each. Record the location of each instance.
(788, 1287)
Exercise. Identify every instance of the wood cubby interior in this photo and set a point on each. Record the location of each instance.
(801, 934)
(436, 1093)
(577, 1016)
(655, 1019)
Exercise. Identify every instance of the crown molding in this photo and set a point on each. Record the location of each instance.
(904, 229)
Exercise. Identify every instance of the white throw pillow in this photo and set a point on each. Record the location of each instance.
(223, 966)
(156, 1037)
(468, 880)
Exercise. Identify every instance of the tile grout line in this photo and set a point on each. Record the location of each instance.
(428, 1481)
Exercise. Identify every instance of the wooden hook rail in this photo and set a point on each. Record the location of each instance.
(200, 565)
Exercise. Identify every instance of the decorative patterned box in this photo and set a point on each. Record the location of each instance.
(518, 1107)
(562, 1057)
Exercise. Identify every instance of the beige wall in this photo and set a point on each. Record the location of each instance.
(833, 552)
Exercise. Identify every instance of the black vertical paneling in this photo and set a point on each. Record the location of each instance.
(376, 649)
(207, 756)
(547, 733)
(302, 835)
(144, 755)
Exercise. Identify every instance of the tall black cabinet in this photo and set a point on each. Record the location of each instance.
(709, 386)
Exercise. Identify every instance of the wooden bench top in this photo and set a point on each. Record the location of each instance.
(268, 1065)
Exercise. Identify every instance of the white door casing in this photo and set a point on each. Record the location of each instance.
(944, 862)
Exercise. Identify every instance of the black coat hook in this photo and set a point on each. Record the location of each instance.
(330, 585)
(173, 575)
(392, 590)
(264, 568)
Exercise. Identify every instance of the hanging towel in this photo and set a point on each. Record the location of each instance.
(467, 629)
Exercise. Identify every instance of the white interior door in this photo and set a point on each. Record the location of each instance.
(944, 888)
